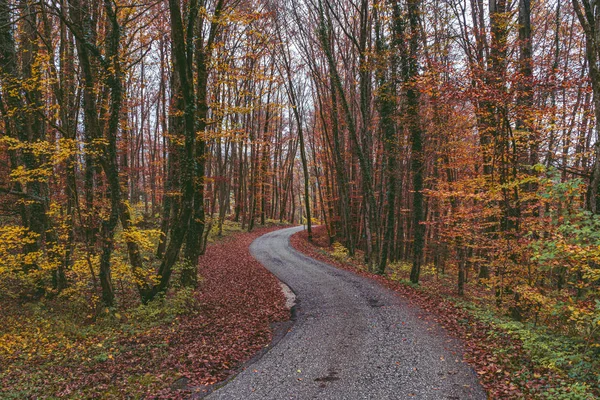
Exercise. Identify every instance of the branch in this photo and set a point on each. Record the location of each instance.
(23, 195)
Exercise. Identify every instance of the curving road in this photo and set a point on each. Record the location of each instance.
(353, 339)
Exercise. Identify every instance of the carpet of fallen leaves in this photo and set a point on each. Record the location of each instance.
(237, 302)
(497, 357)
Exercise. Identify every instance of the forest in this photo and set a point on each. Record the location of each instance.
(453, 141)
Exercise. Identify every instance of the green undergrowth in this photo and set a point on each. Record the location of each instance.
(228, 228)
(576, 364)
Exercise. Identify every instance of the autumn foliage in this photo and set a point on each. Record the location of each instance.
(457, 139)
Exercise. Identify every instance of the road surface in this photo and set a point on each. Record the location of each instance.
(352, 339)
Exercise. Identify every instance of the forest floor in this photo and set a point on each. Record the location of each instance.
(513, 360)
(188, 340)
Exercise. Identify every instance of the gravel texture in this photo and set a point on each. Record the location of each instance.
(352, 339)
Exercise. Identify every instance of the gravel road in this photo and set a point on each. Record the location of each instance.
(352, 339)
